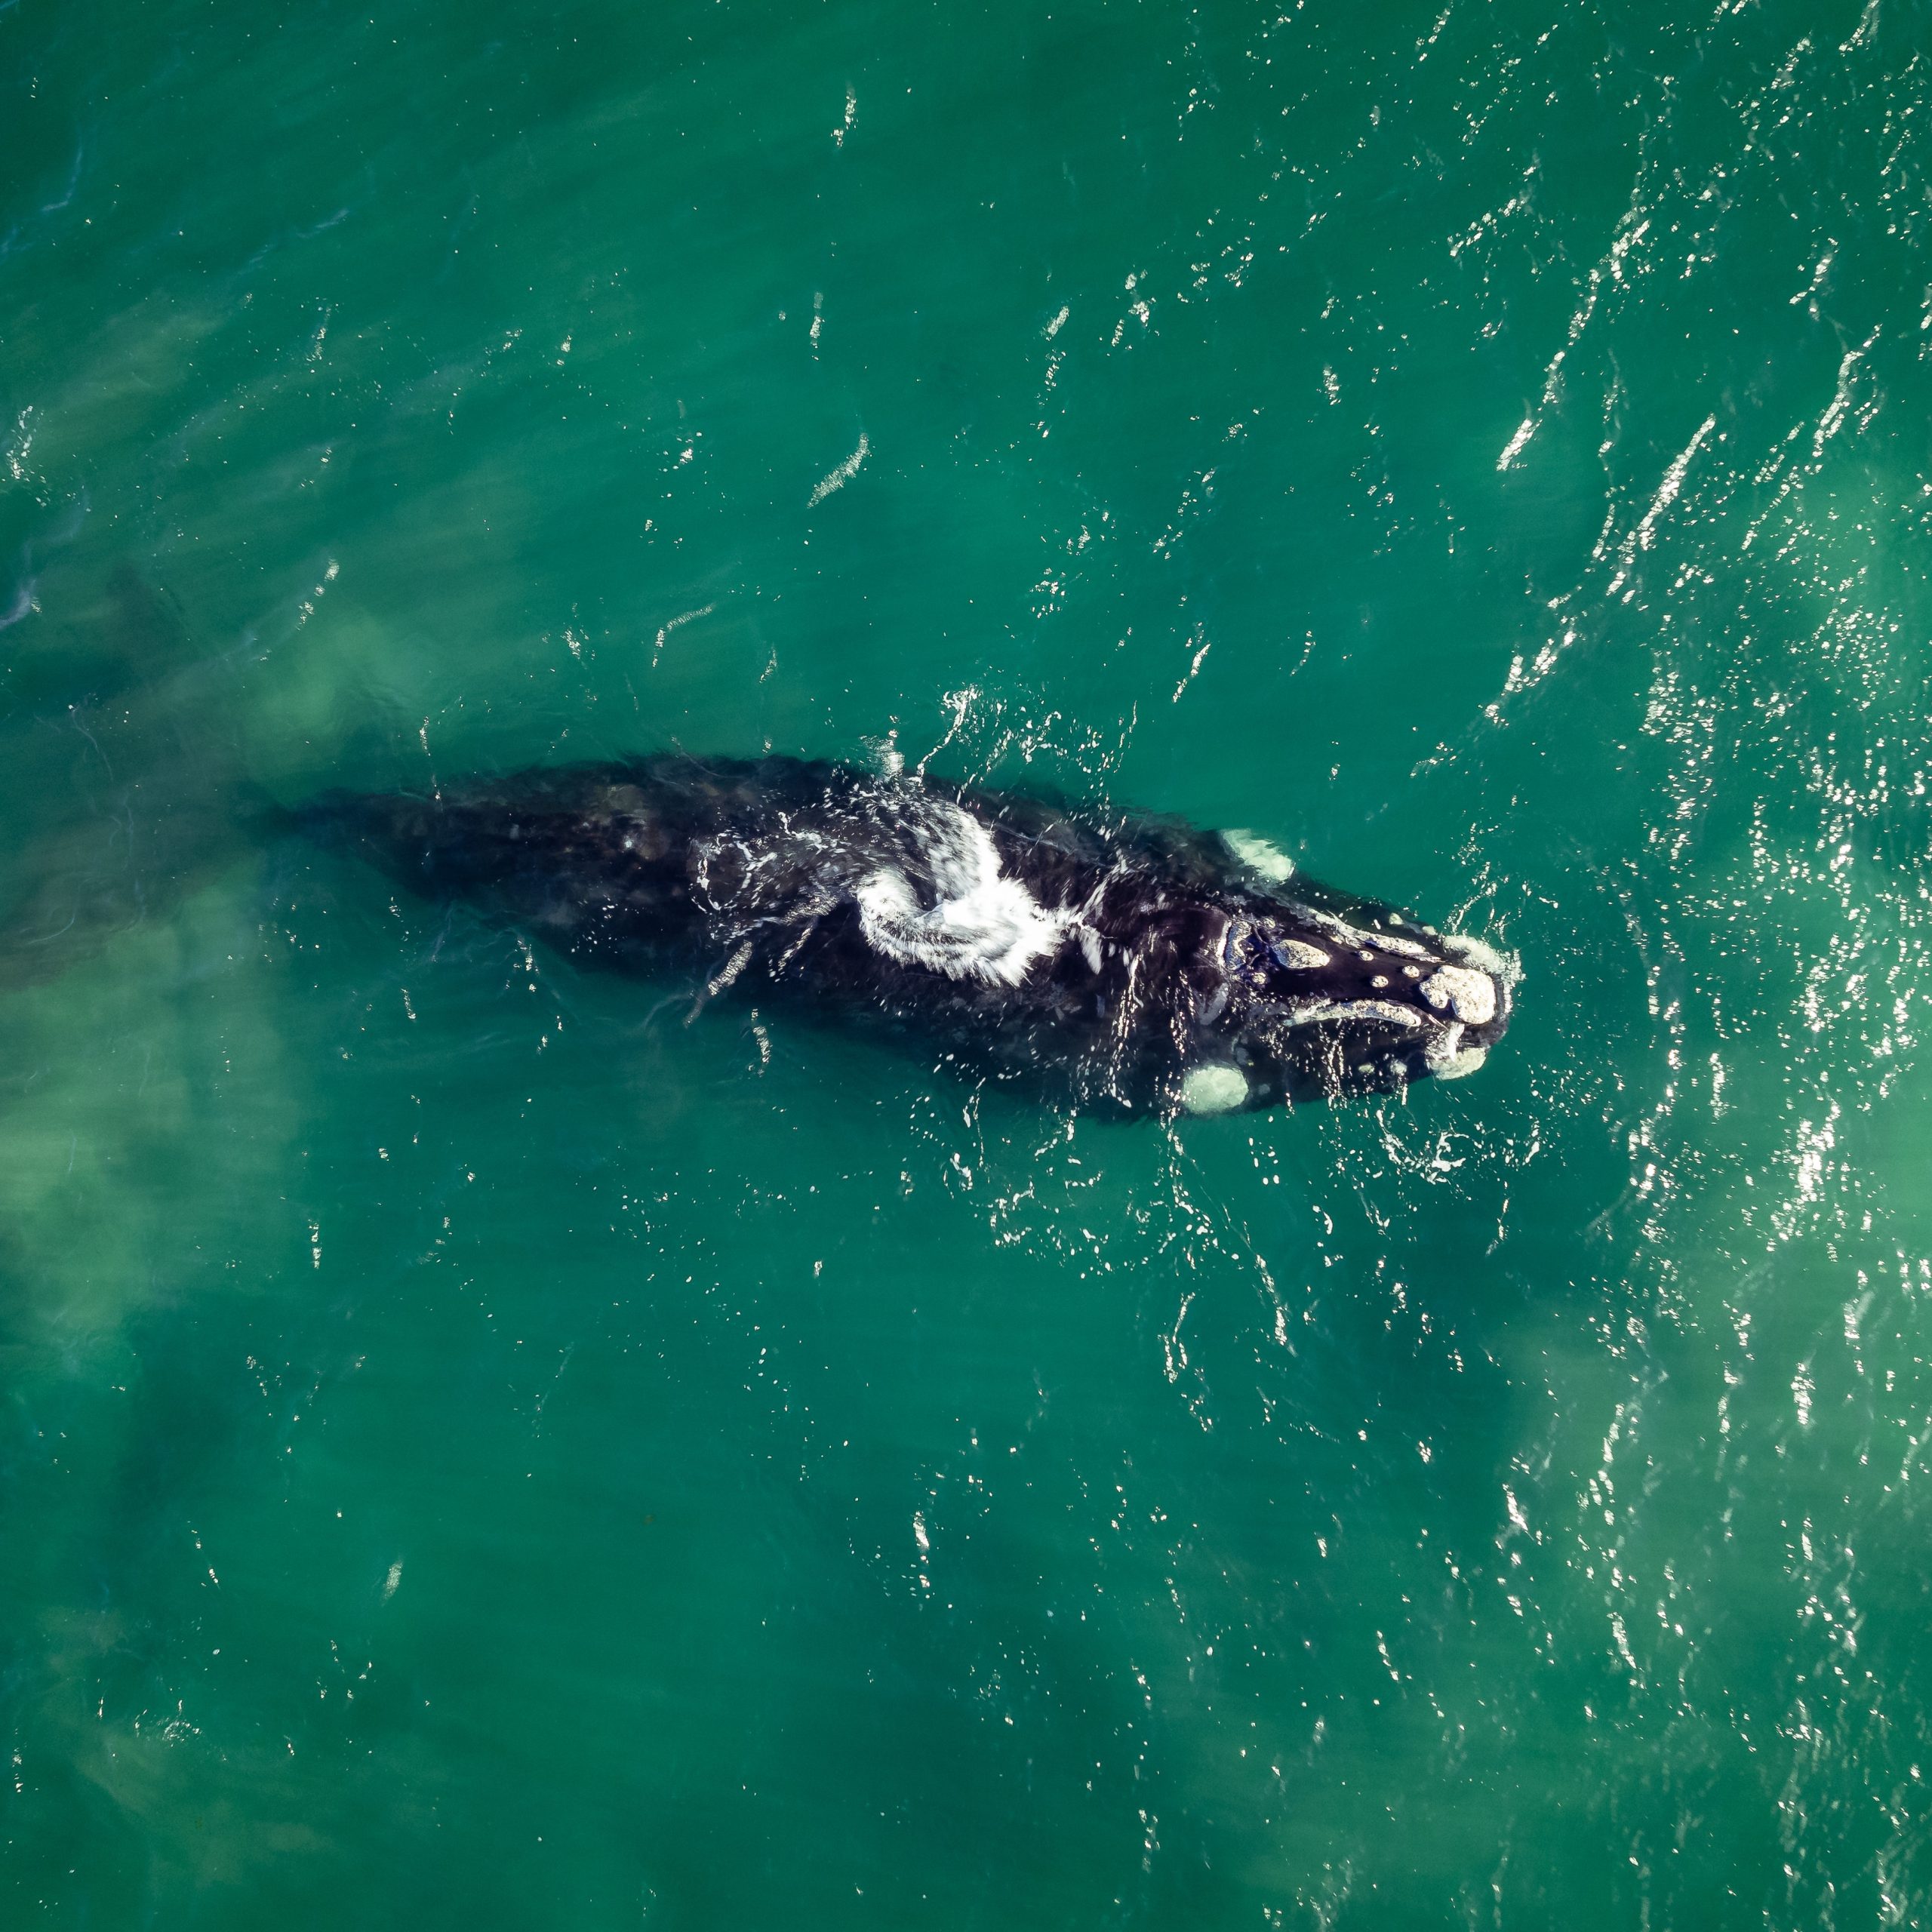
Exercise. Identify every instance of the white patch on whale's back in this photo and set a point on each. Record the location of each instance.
(982, 925)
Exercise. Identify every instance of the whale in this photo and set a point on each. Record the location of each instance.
(1123, 963)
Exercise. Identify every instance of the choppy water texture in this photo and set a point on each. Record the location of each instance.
(479, 1451)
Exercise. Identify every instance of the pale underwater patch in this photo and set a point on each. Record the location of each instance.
(1217, 1088)
(1261, 856)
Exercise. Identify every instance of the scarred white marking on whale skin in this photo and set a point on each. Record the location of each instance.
(982, 925)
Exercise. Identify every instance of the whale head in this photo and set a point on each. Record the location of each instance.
(1321, 996)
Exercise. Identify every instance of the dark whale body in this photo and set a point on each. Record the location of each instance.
(1126, 964)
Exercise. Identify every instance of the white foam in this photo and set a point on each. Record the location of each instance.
(1518, 443)
(983, 925)
(837, 479)
(1480, 954)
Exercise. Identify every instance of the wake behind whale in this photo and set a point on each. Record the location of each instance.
(1121, 963)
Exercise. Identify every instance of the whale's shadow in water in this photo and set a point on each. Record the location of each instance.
(127, 776)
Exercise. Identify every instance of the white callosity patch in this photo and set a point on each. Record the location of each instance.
(1402, 949)
(1241, 935)
(1217, 1088)
(982, 925)
(1469, 995)
(1299, 952)
(1387, 1010)
(1355, 937)
(1462, 990)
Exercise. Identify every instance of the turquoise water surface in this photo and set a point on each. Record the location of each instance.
(479, 1451)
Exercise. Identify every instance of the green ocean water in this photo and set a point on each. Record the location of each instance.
(476, 1450)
